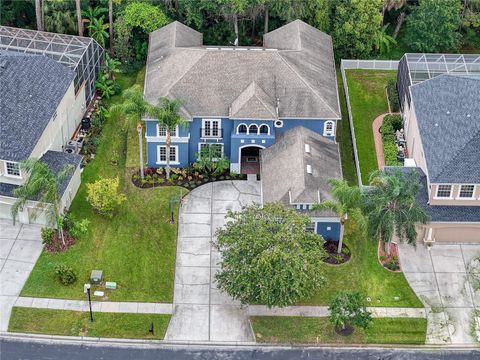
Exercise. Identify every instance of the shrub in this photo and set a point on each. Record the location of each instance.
(392, 265)
(65, 274)
(393, 95)
(77, 228)
(390, 153)
(347, 309)
(47, 235)
(104, 197)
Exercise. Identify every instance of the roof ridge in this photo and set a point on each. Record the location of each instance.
(307, 83)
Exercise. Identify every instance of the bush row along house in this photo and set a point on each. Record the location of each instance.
(45, 89)
(440, 102)
(242, 101)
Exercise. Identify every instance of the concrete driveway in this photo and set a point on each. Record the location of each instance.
(440, 279)
(201, 311)
(20, 247)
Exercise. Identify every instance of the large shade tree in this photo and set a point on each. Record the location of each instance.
(269, 256)
(43, 186)
(167, 112)
(346, 200)
(392, 207)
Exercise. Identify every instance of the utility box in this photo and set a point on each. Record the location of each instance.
(110, 285)
(96, 276)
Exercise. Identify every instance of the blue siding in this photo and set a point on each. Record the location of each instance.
(332, 234)
(152, 154)
(314, 125)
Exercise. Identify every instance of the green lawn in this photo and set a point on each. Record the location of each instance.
(364, 273)
(77, 323)
(136, 248)
(344, 138)
(367, 100)
(310, 330)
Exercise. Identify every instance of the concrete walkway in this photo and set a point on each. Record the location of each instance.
(20, 247)
(97, 306)
(201, 312)
(439, 277)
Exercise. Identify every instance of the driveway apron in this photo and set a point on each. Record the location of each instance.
(201, 311)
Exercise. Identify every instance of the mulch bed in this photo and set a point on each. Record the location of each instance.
(345, 332)
(390, 262)
(333, 258)
(57, 245)
(153, 178)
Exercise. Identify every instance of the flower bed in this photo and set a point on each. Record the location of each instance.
(389, 261)
(56, 244)
(391, 124)
(333, 257)
(186, 177)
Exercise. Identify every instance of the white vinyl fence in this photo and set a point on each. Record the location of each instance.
(366, 65)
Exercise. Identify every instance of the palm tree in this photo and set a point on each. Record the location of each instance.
(345, 200)
(79, 17)
(42, 185)
(97, 30)
(39, 14)
(110, 24)
(392, 208)
(391, 4)
(110, 66)
(168, 114)
(92, 13)
(105, 85)
(383, 41)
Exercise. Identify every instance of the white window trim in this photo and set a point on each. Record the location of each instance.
(466, 198)
(329, 133)
(238, 129)
(176, 162)
(443, 197)
(9, 175)
(164, 137)
(280, 125)
(268, 127)
(249, 126)
(215, 143)
(219, 128)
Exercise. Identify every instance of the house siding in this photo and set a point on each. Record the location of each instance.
(330, 230)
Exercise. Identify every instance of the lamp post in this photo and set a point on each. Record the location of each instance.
(86, 290)
(140, 145)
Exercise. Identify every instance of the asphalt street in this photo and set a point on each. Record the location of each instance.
(22, 350)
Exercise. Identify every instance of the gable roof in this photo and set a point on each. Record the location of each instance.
(253, 102)
(31, 88)
(447, 108)
(284, 168)
(209, 79)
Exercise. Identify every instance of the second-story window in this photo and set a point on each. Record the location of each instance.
(253, 129)
(329, 129)
(444, 191)
(466, 191)
(264, 129)
(162, 131)
(242, 129)
(12, 169)
(211, 128)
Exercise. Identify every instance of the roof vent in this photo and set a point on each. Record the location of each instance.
(309, 169)
(448, 112)
(468, 115)
(436, 124)
(307, 148)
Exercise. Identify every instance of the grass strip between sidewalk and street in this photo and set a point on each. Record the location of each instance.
(77, 323)
(318, 330)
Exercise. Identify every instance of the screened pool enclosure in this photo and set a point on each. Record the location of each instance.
(81, 54)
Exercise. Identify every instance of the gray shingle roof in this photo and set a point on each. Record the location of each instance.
(300, 73)
(284, 168)
(31, 89)
(441, 213)
(448, 115)
(251, 103)
(56, 161)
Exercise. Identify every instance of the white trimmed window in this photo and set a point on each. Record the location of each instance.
(242, 129)
(215, 151)
(444, 191)
(162, 154)
(466, 191)
(311, 227)
(253, 129)
(162, 131)
(12, 169)
(211, 128)
(329, 128)
(264, 129)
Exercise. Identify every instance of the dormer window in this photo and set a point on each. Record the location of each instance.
(12, 169)
(466, 191)
(329, 128)
(444, 191)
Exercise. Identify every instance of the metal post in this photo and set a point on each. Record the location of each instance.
(86, 289)
(140, 145)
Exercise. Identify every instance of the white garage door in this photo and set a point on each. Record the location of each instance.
(5, 211)
(457, 235)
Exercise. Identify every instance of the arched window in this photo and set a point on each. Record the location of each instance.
(264, 129)
(253, 129)
(242, 129)
(329, 128)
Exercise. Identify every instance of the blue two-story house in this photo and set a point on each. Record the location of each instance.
(239, 100)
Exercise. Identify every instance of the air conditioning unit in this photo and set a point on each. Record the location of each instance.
(71, 145)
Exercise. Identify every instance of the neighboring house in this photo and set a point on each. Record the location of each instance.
(295, 171)
(440, 101)
(238, 100)
(39, 112)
